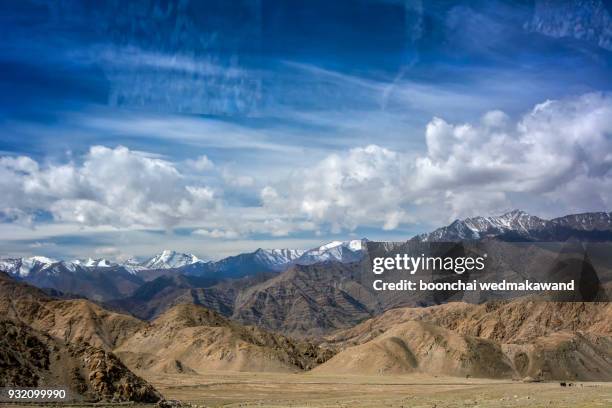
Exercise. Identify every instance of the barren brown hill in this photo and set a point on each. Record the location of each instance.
(30, 358)
(424, 348)
(190, 338)
(517, 321)
(563, 355)
(543, 340)
(76, 319)
(187, 337)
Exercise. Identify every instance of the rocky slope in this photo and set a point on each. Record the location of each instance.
(186, 338)
(521, 338)
(516, 321)
(30, 358)
(313, 300)
(307, 300)
(191, 338)
(162, 293)
(422, 347)
(69, 320)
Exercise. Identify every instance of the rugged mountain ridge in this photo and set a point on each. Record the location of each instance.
(157, 296)
(307, 300)
(30, 358)
(519, 338)
(68, 320)
(422, 347)
(317, 297)
(518, 225)
(312, 300)
(98, 280)
(275, 260)
(185, 335)
(105, 281)
(50, 342)
(526, 337)
(191, 338)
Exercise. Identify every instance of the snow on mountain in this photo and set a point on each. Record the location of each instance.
(169, 260)
(480, 227)
(133, 265)
(76, 264)
(601, 221)
(277, 257)
(275, 260)
(342, 251)
(24, 266)
(93, 263)
(518, 223)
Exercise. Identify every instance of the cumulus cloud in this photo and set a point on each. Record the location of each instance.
(112, 186)
(559, 153)
(557, 156)
(235, 180)
(202, 163)
(342, 190)
(555, 144)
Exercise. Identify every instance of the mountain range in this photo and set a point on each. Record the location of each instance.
(313, 292)
(95, 352)
(102, 280)
(520, 226)
(105, 327)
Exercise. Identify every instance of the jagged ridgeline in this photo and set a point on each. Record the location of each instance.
(295, 311)
(48, 341)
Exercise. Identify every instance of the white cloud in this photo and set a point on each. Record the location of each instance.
(553, 144)
(117, 187)
(342, 190)
(235, 180)
(217, 233)
(556, 158)
(112, 253)
(559, 154)
(202, 163)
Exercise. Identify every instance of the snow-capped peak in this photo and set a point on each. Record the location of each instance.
(343, 251)
(91, 263)
(170, 259)
(353, 245)
(277, 258)
(330, 245)
(24, 266)
(133, 265)
(478, 227)
(41, 260)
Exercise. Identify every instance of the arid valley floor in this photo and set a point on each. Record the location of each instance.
(242, 389)
(225, 389)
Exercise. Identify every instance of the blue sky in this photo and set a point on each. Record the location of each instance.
(218, 127)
